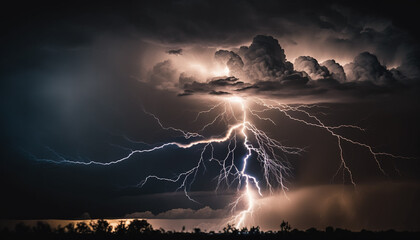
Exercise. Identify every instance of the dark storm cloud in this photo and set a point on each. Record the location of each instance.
(265, 59)
(366, 67)
(261, 65)
(311, 66)
(214, 86)
(183, 213)
(340, 30)
(262, 69)
(345, 27)
(343, 24)
(175, 51)
(218, 93)
(336, 70)
(222, 82)
(364, 76)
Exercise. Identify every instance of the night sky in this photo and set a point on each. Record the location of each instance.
(80, 82)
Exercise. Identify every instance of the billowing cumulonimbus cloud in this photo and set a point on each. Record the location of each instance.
(182, 213)
(311, 66)
(336, 70)
(262, 68)
(366, 68)
(265, 60)
(262, 63)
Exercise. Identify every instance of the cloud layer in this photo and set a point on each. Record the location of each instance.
(182, 213)
(262, 69)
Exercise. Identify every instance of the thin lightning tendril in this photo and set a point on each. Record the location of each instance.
(270, 153)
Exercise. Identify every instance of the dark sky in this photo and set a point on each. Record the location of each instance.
(75, 78)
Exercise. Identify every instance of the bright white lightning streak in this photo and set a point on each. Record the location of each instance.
(275, 167)
(318, 123)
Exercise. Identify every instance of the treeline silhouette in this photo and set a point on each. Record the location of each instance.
(141, 229)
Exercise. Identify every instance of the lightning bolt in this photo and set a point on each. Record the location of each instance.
(270, 153)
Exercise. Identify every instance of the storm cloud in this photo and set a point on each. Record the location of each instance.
(311, 66)
(366, 67)
(182, 213)
(336, 70)
(262, 68)
(175, 51)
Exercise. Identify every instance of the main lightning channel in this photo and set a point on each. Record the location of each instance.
(270, 153)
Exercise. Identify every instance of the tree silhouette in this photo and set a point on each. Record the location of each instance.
(121, 228)
(69, 228)
(329, 229)
(139, 226)
(42, 227)
(311, 230)
(254, 230)
(22, 228)
(228, 229)
(83, 228)
(101, 226)
(285, 226)
(60, 229)
(141, 229)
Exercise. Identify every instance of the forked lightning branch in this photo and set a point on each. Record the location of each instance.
(269, 153)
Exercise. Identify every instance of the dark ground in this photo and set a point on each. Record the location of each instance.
(141, 229)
